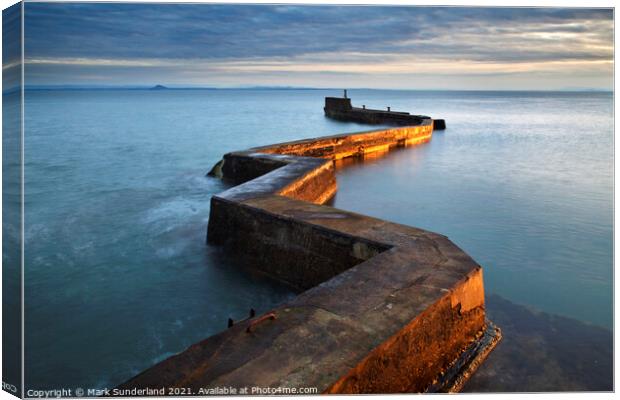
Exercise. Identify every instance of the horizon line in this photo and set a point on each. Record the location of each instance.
(160, 87)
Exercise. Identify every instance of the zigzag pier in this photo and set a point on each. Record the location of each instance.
(383, 307)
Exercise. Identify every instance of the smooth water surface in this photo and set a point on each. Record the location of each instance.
(118, 275)
(523, 182)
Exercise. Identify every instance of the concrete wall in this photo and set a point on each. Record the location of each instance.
(386, 308)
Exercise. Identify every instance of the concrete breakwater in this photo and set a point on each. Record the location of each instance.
(340, 108)
(384, 308)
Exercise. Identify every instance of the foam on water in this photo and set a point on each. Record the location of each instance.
(117, 272)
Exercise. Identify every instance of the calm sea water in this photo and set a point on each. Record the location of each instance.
(523, 182)
(117, 273)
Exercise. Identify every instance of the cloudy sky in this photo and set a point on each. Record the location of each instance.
(318, 46)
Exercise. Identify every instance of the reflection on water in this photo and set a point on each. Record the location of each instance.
(529, 197)
(540, 352)
(117, 275)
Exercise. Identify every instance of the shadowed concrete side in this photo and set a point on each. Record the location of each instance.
(340, 108)
(386, 308)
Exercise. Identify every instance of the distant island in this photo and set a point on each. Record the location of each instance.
(159, 87)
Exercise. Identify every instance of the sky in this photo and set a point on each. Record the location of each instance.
(446, 48)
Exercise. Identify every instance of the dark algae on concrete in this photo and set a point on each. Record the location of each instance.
(384, 308)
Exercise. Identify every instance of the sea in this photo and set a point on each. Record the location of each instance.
(118, 275)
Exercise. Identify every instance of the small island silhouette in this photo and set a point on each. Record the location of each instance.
(159, 87)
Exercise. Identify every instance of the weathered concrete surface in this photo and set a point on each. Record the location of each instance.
(386, 308)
